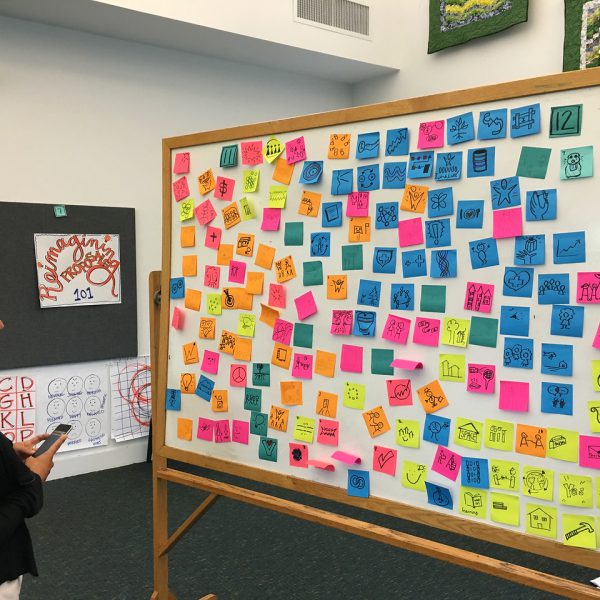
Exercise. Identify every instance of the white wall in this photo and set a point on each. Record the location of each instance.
(82, 118)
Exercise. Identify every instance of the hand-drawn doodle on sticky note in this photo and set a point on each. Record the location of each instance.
(240, 431)
(311, 172)
(250, 180)
(229, 157)
(267, 449)
(557, 398)
(473, 502)
(505, 192)
(273, 148)
(553, 289)
(443, 264)
(326, 404)
(224, 188)
(566, 120)
(252, 152)
(341, 182)
(468, 433)
(475, 472)
(431, 134)
(358, 483)
(438, 495)
(589, 451)
(455, 332)
(337, 287)
(394, 175)
(341, 322)
(460, 129)
(399, 392)
(277, 196)
(446, 463)
(437, 233)
(231, 215)
(358, 204)
(367, 178)
(206, 181)
(384, 460)
(567, 320)
(376, 421)
(432, 397)
(518, 353)
(309, 204)
(359, 229)
(369, 292)
(384, 260)
(557, 359)
(261, 374)
(414, 263)
(426, 331)
(440, 202)
(541, 520)
(367, 145)
(588, 288)
(481, 162)
(180, 188)
(525, 120)
(205, 429)
(469, 214)
(182, 163)
(505, 474)
(328, 432)
(298, 455)
(354, 395)
(402, 296)
(478, 297)
(530, 249)
(332, 214)
(481, 379)
(541, 205)
(210, 362)
(396, 142)
(386, 215)
(295, 150)
(452, 367)
(420, 165)
(518, 281)
(186, 210)
(492, 124)
(339, 146)
(576, 163)
(407, 433)
(364, 323)
(436, 429)
(177, 288)
(483, 253)
(569, 247)
(414, 198)
(396, 329)
(302, 366)
(499, 435)
(448, 166)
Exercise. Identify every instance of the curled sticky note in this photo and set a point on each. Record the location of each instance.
(176, 322)
(321, 464)
(409, 365)
(346, 457)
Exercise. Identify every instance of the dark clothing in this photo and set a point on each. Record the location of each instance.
(21, 497)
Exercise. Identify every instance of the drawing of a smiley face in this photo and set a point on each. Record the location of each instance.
(75, 385)
(57, 386)
(74, 406)
(56, 407)
(91, 383)
(93, 427)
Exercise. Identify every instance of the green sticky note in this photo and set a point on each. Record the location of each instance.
(452, 367)
(566, 120)
(354, 395)
(303, 335)
(484, 332)
(294, 234)
(304, 429)
(499, 435)
(250, 180)
(252, 399)
(408, 433)
(247, 210)
(473, 502)
(594, 414)
(312, 273)
(433, 298)
(352, 257)
(579, 530)
(504, 508)
(258, 423)
(229, 156)
(381, 359)
(277, 196)
(538, 483)
(533, 162)
(504, 475)
(261, 374)
(577, 163)
(267, 449)
(60, 210)
(541, 520)
(575, 490)
(455, 332)
(213, 304)
(562, 444)
(186, 210)
(246, 324)
(467, 433)
(414, 475)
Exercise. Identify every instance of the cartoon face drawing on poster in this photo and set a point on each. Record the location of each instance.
(75, 385)
(57, 387)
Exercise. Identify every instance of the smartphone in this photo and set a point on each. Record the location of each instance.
(61, 430)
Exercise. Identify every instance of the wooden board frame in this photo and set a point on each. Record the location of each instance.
(161, 474)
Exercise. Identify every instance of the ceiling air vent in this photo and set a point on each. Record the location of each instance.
(342, 16)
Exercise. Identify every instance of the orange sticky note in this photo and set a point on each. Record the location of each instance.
(188, 236)
(243, 349)
(326, 404)
(376, 421)
(187, 383)
(207, 328)
(337, 287)
(228, 342)
(285, 269)
(281, 356)
(219, 401)
(189, 265)
(236, 298)
(193, 299)
(268, 315)
(325, 363)
(231, 215)
(190, 353)
(432, 396)
(245, 244)
(291, 392)
(224, 254)
(206, 182)
(530, 440)
(264, 257)
(359, 229)
(309, 204)
(414, 198)
(255, 282)
(184, 429)
(283, 171)
(339, 145)
(278, 418)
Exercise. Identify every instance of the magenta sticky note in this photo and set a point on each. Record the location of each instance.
(446, 463)
(426, 331)
(224, 188)
(252, 152)
(396, 329)
(596, 341)
(276, 295)
(328, 432)
(305, 305)
(205, 212)
(212, 276)
(481, 379)
(514, 395)
(295, 150)
(302, 366)
(212, 237)
(271, 219)
(182, 163)
(341, 322)
(406, 364)
(222, 431)
(384, 460)
(399, 392)
(410, 232)
(205, 429)
(588, 288)
(177, 320)
(238, 375)
(282, 332)
(358, 204)
(352, 358)
(298, 455)
(240, 431)
(210, 362)
(321, 464)
(431, 134)
(589, 451)
(479, 296)
(237, 271)
(508, 222)
(181, 189)
(346, 457)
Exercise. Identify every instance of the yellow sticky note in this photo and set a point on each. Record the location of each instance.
(473, 502)
(283, 171)
(277, 196)
(452, 367)
(597, 492)
(504, 508)
(326, 404)
(562, 444)
(538, 482)
(354, 395)
(579, 530)
(596, 374)
(455, 332)
(188, 236)
(376, 421)
(575, 490)
(304, 429)
(540, 519)
(504, 475)
(325, 363)
(309, 204)
(264, 256)
(246, 324)
(467, 432)
(184, 429)
(255, 282)
(594, 414)
(189, 265)
(272, 149)
(408, 433)
(193, 299)
(219, 401)
(278, 418)
(247, 211)
(291, 392)
(186, 210)
(414, 475)
(250, 180)
(499, 435)
(213, 304)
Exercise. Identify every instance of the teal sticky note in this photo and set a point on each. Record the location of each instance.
(60, 210)
(381, 359)
(433, 298)
(258, 423)
(533, 162)
(294, 234)
(484, 332)
(576, 163)
(352, 257)
(566, 120)
(267, 449)
(303, 335)
(312, 273)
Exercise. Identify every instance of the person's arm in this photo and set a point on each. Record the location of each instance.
(24, 502)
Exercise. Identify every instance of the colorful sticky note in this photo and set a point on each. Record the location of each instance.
(483, 253)
(402, 296)
(492, 124)
(384, 460)
(304, 429)
(557, 359)
(541, 205)
(414, 198)
(358, 483)
(267, 449)
(455, 332)
(433, 298)
(531, 440)
(205, 429)
(351, 360)
(320, 243)
(240, 431)
(481, 162)
(408, 433)
(426, 331)
(541, 520)
(431, 134)
(446, 463)
(452, 367)
(328, 432)
(568, 247)
(504, 508)
(252, 152)
(481, 379)
(305, 305)
(525, 120)
(394, 175)
(484, 332)
(410, 232)
(577, 163)
(352, 257)
(499, 435)
(358, 204)
(420, 164)
(473, 502)
(514, 396)
(588, 288)
(271, 219)
(579, 530)
(283, 171)
(376, 421)
(178, 319)
(508, 223)
(460, 129)
(533, 162)
(414, 475)
(589, 451)
(438, 495)
(576, 490)
(354, 395)
(504, 475)
(468, 433)
(396, 142)
(432, 397)
(298, 455)
(436, 429)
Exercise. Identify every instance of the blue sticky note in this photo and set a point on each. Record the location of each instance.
(414, 263)
(332, 214)
(341, 182)
(436, 429)
(448, 166)
(481, 162)
(267, 449)
(386, 215)
(505, 192)
(557, 398)
(484, 253)
(440, 203)
(396, 142)
(177, 287)
(567, 320)
(369, 292)
(437, 233)
(261, 374)
(420, 164)
(402, 296)
(173, 399)
(320, 244)
(469, 214)
(460, 129)
(557, 359)
(443, 264)
(394, 175)
(258, 423)
(514, 320)
(439, 495)
(358, 483)
(553, 288)
(365, 322)
(525, 120)
(492, 124)
(569, 247)
(474, 472)
(384, 260)
(252, 399)
(367, 145)
(312, 170)
(518, 282)
(367, 178)
(530, 250)
(518, 353)
(204, 388)
(540, 205)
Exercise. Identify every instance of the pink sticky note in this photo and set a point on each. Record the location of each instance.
(177, 321)
(252, 152)
(305, 305)
(182, 163)
(341, 322)
(205, 212)
(358, 204)
(210, 362)
(508, 222)
(302, 366)
(276, 295)
(352, 359)
(426, 331)
(240, 431)
(589, 451)
(596, 342)
(406, 364)
(224, 188)
(237, 271)
(222, 431)
(346, 457)
(212, 237)
(588, 288)
(282, 332)
(399, 392)
(205, 429)
(514, 395)
(384, 460)
(396, 329)
(328, 432)
(481, 379)
(212, 276)
(479, 296)
(238, 375)
(181, 189)
(295, 150)
(321, 464)
(298, 455)
(410, 232)
(431, 134)
(446, 463)
(271, 219)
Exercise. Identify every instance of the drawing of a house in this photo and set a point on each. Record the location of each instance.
(450, 370)
(540, 519)
(468, 432)
(557, 441)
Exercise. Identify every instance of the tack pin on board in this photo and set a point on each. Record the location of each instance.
(60, 210)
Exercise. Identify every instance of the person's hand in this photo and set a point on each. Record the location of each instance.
(42, 465)
(26, 449)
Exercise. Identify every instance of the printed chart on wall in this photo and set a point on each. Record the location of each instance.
(405, 308)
